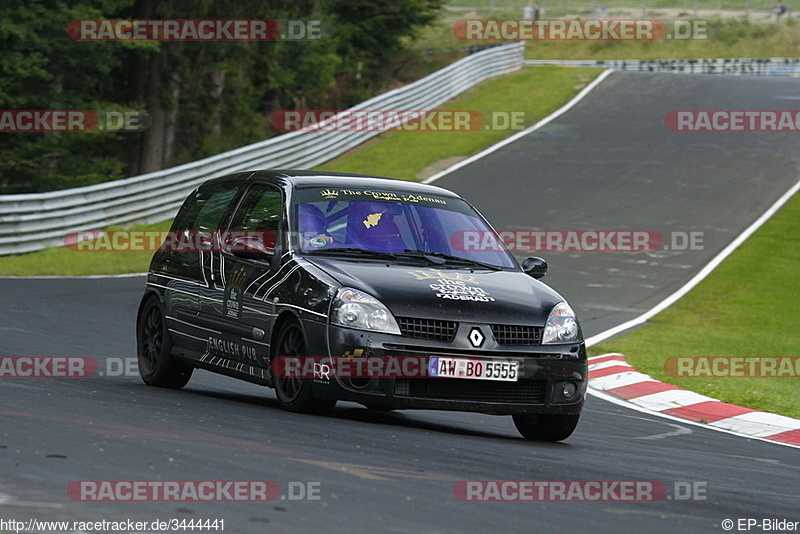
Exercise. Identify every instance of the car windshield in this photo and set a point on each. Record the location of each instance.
(388, 224)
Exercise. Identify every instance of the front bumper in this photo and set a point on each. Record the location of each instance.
(543, 371)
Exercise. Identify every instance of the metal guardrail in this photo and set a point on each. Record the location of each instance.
(776, 66)
(31, 222)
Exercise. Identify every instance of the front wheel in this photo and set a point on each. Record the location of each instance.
(546, 427)
(294, 393)
(153, 347)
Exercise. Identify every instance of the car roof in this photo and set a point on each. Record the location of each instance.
(300, 179)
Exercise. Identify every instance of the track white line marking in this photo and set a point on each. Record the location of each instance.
(699, 277)
(741, 425)
(563, 109)
(609, 363)
(759, 424)
(626, 404)
(619, 380)
(667, 400)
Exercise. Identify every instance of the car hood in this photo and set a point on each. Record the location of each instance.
(502, 297)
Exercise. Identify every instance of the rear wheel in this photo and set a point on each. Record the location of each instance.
(294, 393)
(545, 427)
(153, 347)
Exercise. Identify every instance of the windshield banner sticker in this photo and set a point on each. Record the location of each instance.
(388, 196)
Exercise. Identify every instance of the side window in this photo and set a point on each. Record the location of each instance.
(261, 209)
(204, 210)
(259, 215)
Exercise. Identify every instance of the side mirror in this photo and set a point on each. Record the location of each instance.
(252, 248)
(535, 267)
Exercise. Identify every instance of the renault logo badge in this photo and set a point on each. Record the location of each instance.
(476, 337)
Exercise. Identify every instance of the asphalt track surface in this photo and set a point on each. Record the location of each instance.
(608, 163)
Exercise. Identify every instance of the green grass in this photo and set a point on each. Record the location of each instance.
(749, 306)
(727, 38)
(536, 92)
(62, 261)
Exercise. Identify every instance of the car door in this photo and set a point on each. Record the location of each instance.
(248, 258)
(178, 264)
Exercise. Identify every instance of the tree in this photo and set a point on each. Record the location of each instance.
(43, 69)
(202, 97)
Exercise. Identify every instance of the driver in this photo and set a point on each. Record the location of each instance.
(313, 227)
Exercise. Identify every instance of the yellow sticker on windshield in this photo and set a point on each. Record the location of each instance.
(372, 219)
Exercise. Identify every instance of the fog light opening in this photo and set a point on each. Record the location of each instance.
(359, 382)
(569, 390)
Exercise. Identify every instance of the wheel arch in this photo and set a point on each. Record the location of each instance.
(283, 318)
(148, 294)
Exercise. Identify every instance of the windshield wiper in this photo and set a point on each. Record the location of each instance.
(435, 258)
(352, 251)
(447, 258)
(422, 255)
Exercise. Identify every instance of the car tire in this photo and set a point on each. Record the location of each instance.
(294, 394)
(153, 349)
(546, 427)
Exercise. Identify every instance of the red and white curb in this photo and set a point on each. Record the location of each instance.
(611, 374)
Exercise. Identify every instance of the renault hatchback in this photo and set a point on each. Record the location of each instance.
(392, 294)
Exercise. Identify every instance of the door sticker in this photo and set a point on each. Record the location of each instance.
(233, 294)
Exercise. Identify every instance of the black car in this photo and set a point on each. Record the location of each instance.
(265, 269)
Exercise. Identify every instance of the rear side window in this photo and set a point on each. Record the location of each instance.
(205, 208)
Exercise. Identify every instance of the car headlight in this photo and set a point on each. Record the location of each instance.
(562, 325)
(356, 309)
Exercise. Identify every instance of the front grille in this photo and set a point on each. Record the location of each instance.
(457, 351)
(509, 334)
(428, 328)
(524, 391)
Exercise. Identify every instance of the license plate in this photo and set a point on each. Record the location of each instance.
(473, 369)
